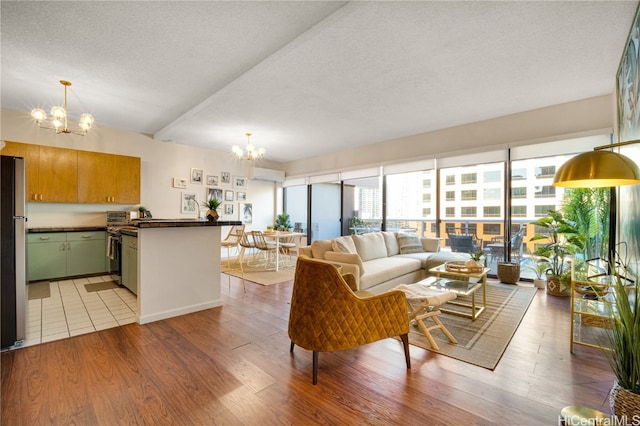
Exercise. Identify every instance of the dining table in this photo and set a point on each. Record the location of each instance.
(278, 236)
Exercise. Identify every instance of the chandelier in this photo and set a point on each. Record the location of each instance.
(251, 154)
(58, 119)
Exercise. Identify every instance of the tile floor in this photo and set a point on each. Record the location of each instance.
(72, 310)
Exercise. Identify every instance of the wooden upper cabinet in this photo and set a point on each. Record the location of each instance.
(108, 178)
(51, 173)
(60, 175)
(127, 180)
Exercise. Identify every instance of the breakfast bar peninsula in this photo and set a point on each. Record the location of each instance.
(178, 267)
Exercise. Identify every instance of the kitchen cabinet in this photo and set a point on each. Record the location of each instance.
(108, 178)
(60, 175)
(65, 254)
(130, 263)
(51, 173)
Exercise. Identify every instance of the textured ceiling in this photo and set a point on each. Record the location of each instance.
(306, 77)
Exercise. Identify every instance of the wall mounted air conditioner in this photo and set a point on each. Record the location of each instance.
(259, 173)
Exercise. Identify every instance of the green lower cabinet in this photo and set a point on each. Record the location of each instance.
(130, 263)
(65, 254)
(46, 255)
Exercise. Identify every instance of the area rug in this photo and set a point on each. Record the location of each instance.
(483, 341)
(259, 274)
(106, 285)
(39, 290)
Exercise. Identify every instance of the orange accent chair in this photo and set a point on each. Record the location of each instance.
(327, 315)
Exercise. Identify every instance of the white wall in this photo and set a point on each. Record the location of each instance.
(160, 162)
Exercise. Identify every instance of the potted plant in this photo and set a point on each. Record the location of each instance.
(212, 204)
(538, 265)
(624, 344)
(562, 243)
(282, 222)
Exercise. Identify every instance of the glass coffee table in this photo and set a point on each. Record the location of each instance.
(463, 284)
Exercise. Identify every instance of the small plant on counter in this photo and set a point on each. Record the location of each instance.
(212, 203)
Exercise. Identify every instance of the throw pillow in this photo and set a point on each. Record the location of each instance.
(431, 244)
(391, 241)
(409, 244)
(370, 246)
(319, 247)
(336, 256)
(344, 245)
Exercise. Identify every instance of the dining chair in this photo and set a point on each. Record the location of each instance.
(232, 240)
(267, 248)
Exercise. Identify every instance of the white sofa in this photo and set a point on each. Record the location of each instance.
(382, 260)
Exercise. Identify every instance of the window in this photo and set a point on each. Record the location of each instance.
(451, 179)
(426, 197)
(492, 176)
(543, 210)
(546, 191)
(519, 192)
(491, 229)
(426, 183)
(450, 196)
(468, 211)
(426, 212)
(491, 211)
(518, 174)
(545, 172)
(469, 194)
(450, 212)
(469, 178)
(492, 194)
(519, 211)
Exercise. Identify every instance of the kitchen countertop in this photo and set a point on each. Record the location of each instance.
(180, 223)
(65, 229)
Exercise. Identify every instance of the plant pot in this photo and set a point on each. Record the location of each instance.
(556, 288)
(540, 282)
(508, 273)
(212, 215)
(624, 403)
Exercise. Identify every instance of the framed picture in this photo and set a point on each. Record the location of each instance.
(196, 175)
(241, 196)
(225, 177)
(246, 212)
(189, 203)
(179, 182)
(212, 180)
(214, 193)
(228, 209)
(228, 195)
(240, 182)
(627, 82)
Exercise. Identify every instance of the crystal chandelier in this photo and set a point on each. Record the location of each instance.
(58, 119)
(251, 154)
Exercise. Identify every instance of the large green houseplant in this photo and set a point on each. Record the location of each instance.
(562, 242)
(282, 222)
(624, 342)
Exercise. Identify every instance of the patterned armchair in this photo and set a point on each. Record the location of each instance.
(326, 315)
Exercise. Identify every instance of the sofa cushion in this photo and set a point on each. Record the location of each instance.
(344, 245)
(370, 246)
(386, 269)
(430, 244)
(319, 247)
(409, 244)
(391, 242)
(338, 256)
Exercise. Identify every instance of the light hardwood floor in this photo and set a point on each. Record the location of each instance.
(232, 365)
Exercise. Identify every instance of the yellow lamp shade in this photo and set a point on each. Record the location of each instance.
(596, 169)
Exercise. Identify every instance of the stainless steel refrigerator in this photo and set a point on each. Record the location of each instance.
(13, 284)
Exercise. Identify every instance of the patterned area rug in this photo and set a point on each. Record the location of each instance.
(483, 341)
(259, 274)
